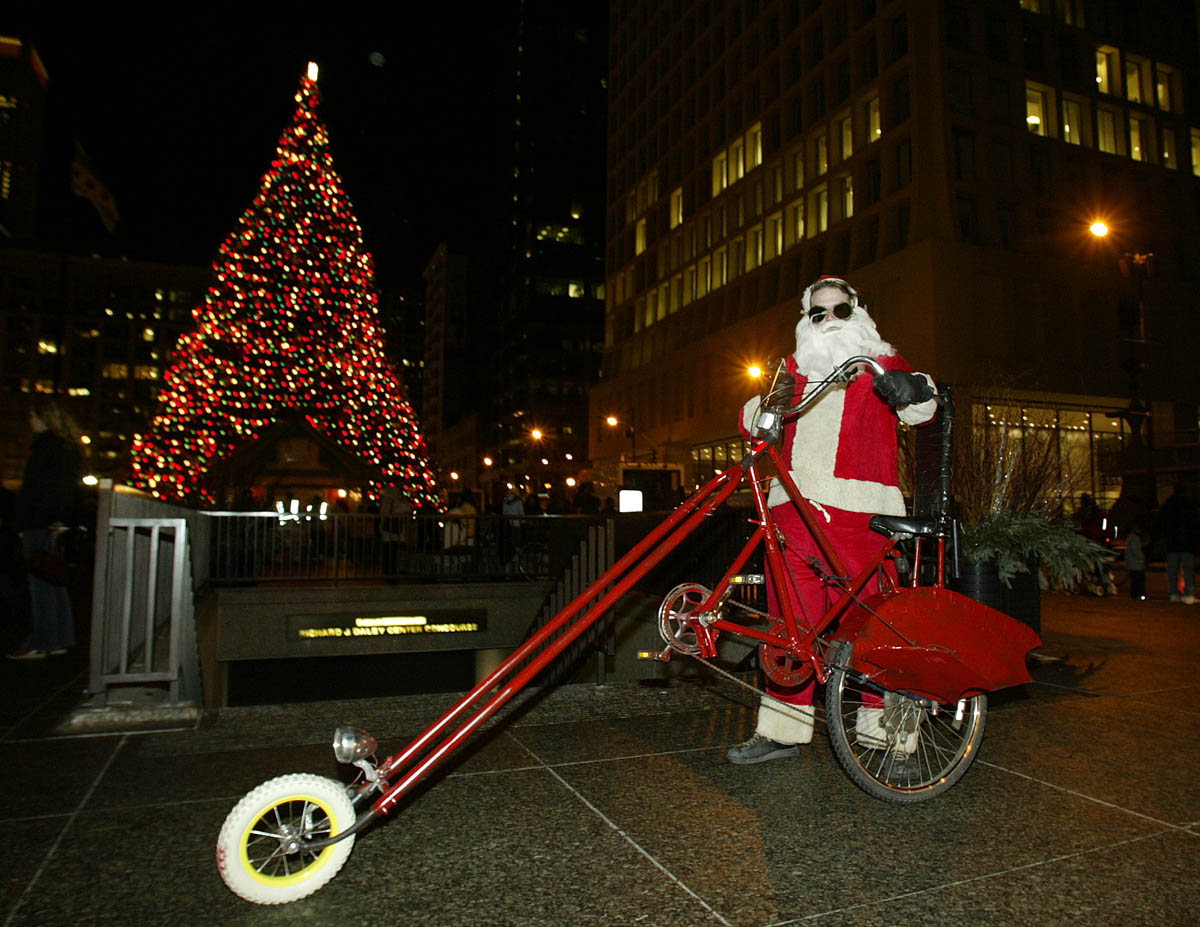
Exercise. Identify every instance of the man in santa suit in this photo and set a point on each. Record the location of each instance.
(842, 454)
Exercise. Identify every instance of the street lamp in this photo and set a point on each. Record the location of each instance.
(612, 421)
(1139, 265)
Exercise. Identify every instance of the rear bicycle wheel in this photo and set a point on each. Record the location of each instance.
(897, 748)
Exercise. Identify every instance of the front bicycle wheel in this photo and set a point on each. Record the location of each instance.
(258, 851)
(898, 748)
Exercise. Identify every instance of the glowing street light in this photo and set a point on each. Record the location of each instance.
(1098, 228)
(755, 371)
(536, 434)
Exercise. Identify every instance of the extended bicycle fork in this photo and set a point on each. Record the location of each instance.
(411, 765)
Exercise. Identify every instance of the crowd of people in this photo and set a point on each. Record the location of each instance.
(1170, 534)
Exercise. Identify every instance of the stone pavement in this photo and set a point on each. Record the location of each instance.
(613, 805)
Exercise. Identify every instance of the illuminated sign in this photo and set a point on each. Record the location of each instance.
(445, 621)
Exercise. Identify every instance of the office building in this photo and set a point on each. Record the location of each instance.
(947, 156)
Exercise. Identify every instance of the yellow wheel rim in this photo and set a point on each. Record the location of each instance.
(308, 869)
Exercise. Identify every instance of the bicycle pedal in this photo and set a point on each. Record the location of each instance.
(748, 579)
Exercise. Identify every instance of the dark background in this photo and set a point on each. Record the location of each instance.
(180, 121)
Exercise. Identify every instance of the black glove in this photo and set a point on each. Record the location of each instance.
(782, 391)
(899, 388)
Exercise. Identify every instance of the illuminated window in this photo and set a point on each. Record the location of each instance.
(846, 195)
(704, 277)
(676, 206)
(1168, 149)
(818, 211)
(689, 284)
(754, 247)
(754, 147)
(1107, 139)
(1106, 69)
(676, 292)
(737, 161)
(874, 126)
(798, 170)
(774, 236)
(1138, 138)
(1073, 121)
(141, 372)
(797, 223)
(1034, 6)
(821, 153)
(719, 178)
(1164, 78)
(639, 243)
(115, 372)
(47, 347)
(720, 267)
(846, 136)
(1196, 152)
(1135, 79)
(1037, 110)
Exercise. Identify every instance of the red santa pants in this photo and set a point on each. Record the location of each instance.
(855, 543)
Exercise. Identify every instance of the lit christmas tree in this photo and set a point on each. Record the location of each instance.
(289, 326)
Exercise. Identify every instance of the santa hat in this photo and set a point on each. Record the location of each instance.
(824, 281)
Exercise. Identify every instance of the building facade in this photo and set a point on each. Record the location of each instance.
(947, 156)
(515, 313)
(97, 333)
(22, 107)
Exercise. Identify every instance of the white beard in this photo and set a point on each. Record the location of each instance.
(818, 350)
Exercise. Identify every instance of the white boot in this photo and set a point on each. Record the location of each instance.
(869, 732)
(784, 723)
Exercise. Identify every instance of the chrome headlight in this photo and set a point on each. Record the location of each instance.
(351, 745)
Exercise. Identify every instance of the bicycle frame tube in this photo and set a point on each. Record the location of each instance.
(421, 756)
(526, 662)
(799, 640)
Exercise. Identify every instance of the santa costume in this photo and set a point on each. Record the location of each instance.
(842, 454)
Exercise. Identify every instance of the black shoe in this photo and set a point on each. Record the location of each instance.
(759, 749)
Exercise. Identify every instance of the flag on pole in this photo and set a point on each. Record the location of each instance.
(85, 183)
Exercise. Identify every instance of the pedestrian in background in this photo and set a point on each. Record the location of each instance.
(48, 505)
(1135, 562)
(1178, 525)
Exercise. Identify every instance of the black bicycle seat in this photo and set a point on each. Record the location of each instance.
(903, 526)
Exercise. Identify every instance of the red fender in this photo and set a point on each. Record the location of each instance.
(936, 643)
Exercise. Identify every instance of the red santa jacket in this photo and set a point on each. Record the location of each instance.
(842, 451)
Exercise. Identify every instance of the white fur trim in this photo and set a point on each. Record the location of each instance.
(784, 723)
(814, 458)
(920, 412)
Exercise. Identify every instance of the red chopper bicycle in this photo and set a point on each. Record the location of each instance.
(906, 669)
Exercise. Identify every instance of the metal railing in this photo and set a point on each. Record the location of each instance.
(266, 547)
(143, 619)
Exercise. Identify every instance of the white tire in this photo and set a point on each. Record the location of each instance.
(251, 853)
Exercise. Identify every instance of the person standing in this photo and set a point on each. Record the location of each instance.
(1135, 563)
(842, 454)
(1178, 525)
(47, 506)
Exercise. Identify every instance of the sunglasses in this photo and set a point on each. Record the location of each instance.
(842, 311)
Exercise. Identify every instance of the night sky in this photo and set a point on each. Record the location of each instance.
(180, 121)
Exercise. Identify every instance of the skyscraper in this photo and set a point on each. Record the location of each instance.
(22, 104)
(949, 157)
